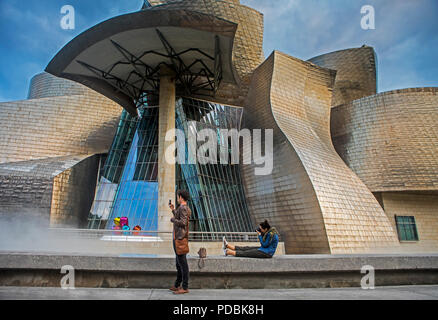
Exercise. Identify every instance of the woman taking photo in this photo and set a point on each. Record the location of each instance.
(268, 237)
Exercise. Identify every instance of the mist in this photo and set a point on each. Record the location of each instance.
(27, 232)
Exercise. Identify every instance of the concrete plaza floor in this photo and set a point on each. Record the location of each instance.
(429, 292)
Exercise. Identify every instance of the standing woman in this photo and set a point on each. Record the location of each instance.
(180, 220)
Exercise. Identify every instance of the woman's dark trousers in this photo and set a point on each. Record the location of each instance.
(182, 269)
(251, 252)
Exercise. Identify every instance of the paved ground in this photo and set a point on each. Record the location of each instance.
(380, 293)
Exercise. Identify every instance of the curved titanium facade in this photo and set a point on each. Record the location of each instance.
(317, 201)
(390, 140)
(248, 41)
(207, 56)
(356, 75)
(45, 85)
(49, 161)
(57, 191)
(57, 126)
(122, 57)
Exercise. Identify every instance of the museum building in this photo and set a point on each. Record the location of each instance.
(354, 170)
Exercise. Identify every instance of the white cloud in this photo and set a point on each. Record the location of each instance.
(405, 31)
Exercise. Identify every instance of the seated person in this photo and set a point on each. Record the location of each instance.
(268, 237)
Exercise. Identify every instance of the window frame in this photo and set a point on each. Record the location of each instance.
(415, 228)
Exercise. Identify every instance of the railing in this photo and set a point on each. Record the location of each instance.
(150, 236)
(218, 236)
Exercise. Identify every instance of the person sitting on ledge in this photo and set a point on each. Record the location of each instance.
(268, 237)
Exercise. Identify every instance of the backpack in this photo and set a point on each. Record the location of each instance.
(202, 255)
(136, 228)
(124, 221)
(126, 228)
(116, 228)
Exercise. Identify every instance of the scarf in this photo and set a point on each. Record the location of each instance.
(272, 232)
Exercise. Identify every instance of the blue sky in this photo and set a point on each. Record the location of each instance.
(405, 38)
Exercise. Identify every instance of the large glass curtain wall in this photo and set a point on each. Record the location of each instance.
(217, 196)
(128, 185)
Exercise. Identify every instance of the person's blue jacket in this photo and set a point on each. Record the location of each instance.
(270, 244)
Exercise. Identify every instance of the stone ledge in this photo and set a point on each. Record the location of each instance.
(218, 264)
(153, 271)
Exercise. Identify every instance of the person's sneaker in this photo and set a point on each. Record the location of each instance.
(174, 289)
(181, 291)
(224, 245)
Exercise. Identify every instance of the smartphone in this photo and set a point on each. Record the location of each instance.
(170, 202)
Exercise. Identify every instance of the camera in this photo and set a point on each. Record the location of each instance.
(258, 230)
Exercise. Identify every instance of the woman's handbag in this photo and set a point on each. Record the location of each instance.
(182, 246)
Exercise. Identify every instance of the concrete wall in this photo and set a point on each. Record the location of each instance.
(424, 207)
(114, 271)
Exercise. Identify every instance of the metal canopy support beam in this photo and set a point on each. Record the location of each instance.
(188, 81)
(119, 84)
(178, 64)
(136, 63)
(217, 64)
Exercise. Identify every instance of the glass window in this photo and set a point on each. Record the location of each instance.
(128, 186)
(406, 228)
(217, 197)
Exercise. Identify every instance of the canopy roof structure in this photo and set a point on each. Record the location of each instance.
(121, 58)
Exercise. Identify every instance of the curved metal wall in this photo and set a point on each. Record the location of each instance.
(56, 191)
(248, 42)
(390, 140)
(45, 85)
(318, 188)
(356, 73)
(286, 197)
(57, 126)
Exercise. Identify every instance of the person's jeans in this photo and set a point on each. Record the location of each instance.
(182, 269)
(251, 252)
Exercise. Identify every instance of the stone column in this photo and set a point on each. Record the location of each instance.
(166, 171)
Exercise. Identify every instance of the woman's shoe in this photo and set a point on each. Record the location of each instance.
(224, 245)
(181, 291)
(174, 288)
